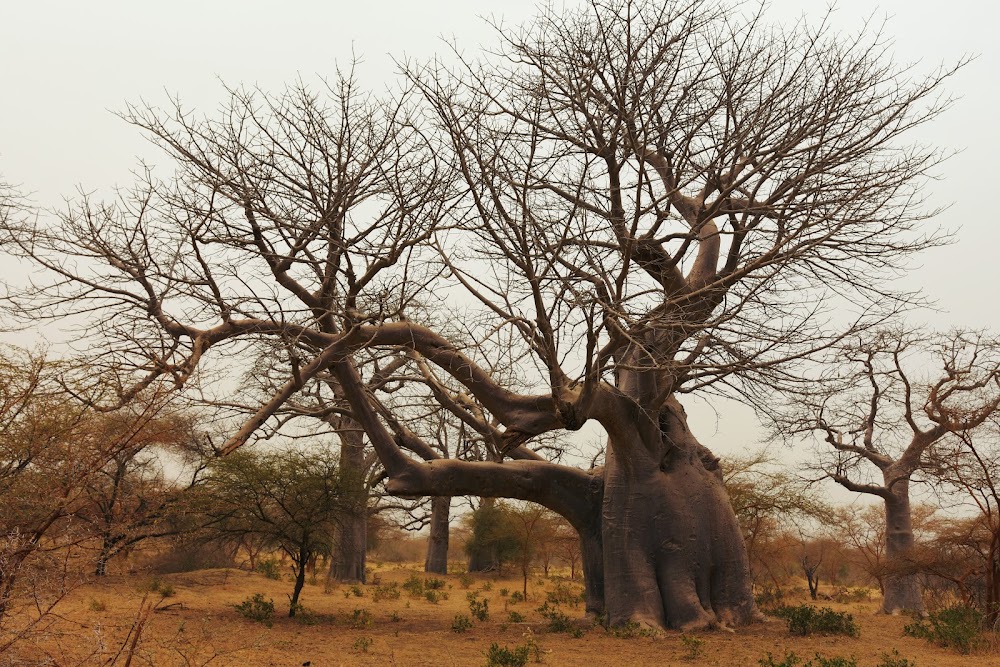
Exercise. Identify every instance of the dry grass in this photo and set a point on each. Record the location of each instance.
(198, 625)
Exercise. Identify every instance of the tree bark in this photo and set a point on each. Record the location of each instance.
(673, 552)
(437, 543)
(300, 580)
(348, 562)
(901, 593)
(349, 558)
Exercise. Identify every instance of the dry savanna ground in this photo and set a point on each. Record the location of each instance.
(199, 625)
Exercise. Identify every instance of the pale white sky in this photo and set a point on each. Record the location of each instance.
(65, 65)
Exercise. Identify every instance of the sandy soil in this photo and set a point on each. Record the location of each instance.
(198, 625)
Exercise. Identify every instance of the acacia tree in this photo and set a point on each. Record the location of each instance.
(768, 501)
(293, 500)
(637, 199)
(881, 419)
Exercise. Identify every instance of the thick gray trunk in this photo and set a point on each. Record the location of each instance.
(673, 553)
(350, 548)
(901, 587)
(437, 543)
(348, 561)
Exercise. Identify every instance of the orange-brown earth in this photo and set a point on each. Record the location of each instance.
(198, 625)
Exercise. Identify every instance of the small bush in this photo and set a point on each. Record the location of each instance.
(269, 567)
(361, 619)
(806, 619)
(434, 584)
(503, 656)
(461, 623)
(480, 609)
(465, 580)
(695, 646)
(256, 608)
(630, 630)
(389, 591)
(769, 597)
(954, 627)
(845, 595)
(487, 586)
(895, 660)
(514, 617)
(362, 644)
(792, 660)
(558, 621)
(504, 592)
(357, 591)
(516, 596)
(97, 605)
(563, 593)
(395, 617)
(414, 586)
(434, 596)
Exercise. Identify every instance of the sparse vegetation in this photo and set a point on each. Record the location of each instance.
(257, 608)
(806, 619)
(957, 627)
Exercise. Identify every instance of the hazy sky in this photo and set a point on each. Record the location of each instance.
(65, 66)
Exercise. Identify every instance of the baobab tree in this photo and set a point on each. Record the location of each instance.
(881, 414)
(617, 205)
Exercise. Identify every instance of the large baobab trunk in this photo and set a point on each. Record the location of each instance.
(350, 549)
(901, 588)
(437, 543)
(673, 552)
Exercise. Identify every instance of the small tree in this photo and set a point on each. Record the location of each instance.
(494, 536)
(293, 499)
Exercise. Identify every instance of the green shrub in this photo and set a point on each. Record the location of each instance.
(361, 619)
(835, 661)
(807, 619)
(514, 617)
(395, 617)
(895, 660)
(516, 596)
(954, 627)
(97, 605)
(504, 592)
(630, 630)
(558, 621)
(769, 597)
(363, 644)
(461, 623)
(434, 584)
(792, 660)
(389, 591)
(695, 646)
(256, 608)
(414, 586)
(480, 609)
(269, 567)
(357, 591)
(465, 580)
(503, 656)
(563, 593)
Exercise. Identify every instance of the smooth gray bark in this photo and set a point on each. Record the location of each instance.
(350, 549)
(901, 587)
(673, 552)
(437, 542)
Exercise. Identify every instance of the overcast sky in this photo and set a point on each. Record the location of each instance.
(65, 66)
